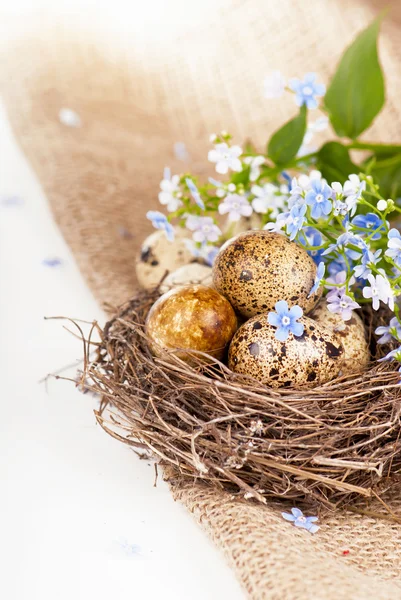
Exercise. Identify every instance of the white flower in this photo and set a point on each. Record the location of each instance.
(267, 199)
(274, 85)
(236, 206)
(169, 188)
(353, 189)
(380, 289)
(382, 205)
(204, 229)
(254, 162)
(225, 158)
(278, 225)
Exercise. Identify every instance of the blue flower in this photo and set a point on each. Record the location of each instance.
(371, 222)
(297, 517)
(388, 332)
(286, 320)
(393, 355)
(363, 270)
(295, 220)
(52, 262)
(345, 239)
(195, 193)
(319, 276)
(394, 246)
(159, 221)
(307, 90)
(318, 198)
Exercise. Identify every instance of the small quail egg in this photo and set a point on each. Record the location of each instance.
(305, 361)
(351, 333)
(158, 256)
(188, 274)
(193, 317)
(257, 268)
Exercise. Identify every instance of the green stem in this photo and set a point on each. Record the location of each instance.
(374, 146)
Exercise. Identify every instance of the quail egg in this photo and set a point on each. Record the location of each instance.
(188, 274)
(194, 317)
(313, 358)
(351, 333)
(256, 269)
(158, 256)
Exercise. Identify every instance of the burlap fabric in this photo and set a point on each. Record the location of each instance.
(135, 101)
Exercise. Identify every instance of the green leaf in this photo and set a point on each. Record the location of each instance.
(387, 173)
(285, 143)
(335, 163)
(356, 93)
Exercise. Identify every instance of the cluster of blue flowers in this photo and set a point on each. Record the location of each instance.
(343, 226)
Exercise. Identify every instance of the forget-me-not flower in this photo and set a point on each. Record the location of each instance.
(371, 222)
(319, 198)
(268, 198)
(339, 303)
(206, 252)
(394, 246)
(297, 517)
(226, 158)
(353, 189)
(363, 269)
(159, 221)
(235, 206)
(254, 163)
(319, 276)
(389, 332)
(307, 90)
(295, 220)
(204, 229)
(278, 225)
(286, 320)
(379, 289)
(169, 188)
(195, 193)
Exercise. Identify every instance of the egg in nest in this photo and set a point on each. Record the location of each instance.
(313, 358)
(159, 257)
(258, 268)
(193, 317)
(351, 334)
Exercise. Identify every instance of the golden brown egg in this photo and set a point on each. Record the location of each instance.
(194, 273)
(351, 333)
(193, 317)
(159, 257)
(257, 268)
(306, 361)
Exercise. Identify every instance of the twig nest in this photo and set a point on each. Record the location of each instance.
(158, 256)
(194, 273)
(193, 317)
(256, 269)
(313, 358)
(351, 333)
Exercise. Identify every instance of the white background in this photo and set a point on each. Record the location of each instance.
(79, 515)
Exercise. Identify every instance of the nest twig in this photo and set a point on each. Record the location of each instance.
(331, 444)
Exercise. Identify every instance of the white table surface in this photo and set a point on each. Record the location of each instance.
(80, 517)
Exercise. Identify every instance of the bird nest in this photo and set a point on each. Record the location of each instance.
(330, 444)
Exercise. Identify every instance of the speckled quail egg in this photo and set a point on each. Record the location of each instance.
(313, 358)
(188, 274)
(257, 268)
(158, 256)
(194, 317)
(351, 333)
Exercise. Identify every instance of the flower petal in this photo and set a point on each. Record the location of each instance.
(297, 512)
(288, 517)
(296, 311)
(281, 307)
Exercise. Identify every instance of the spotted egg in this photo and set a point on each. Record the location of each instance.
(351, 333)
(159, 256)
(193, 317)
(194, 273)
(257, 268)
(305, 361)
